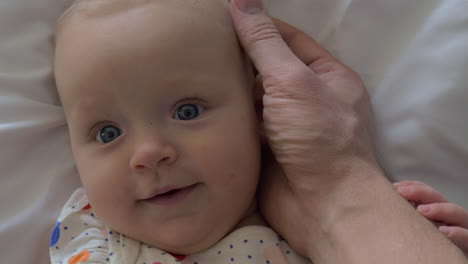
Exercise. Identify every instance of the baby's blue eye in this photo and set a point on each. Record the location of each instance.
(188, 112)
(107, 134)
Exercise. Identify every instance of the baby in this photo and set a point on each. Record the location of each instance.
(159, 102)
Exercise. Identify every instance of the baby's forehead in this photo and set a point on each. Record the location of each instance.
(90, 8)
(93, 8)
(170, 15)
(198, 32)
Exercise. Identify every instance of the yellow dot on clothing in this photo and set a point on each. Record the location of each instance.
(82, 256)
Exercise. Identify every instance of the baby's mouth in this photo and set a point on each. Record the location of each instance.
(173, 196)
(169, 193)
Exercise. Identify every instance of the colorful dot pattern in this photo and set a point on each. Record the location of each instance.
(79, 238)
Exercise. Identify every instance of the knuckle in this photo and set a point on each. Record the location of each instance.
(285, 78)
(293, 75)
(263, 31)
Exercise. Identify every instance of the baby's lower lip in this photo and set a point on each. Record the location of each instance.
(172, 198)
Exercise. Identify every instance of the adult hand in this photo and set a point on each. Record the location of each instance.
(317, 117)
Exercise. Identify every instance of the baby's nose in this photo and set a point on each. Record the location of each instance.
(152, 155)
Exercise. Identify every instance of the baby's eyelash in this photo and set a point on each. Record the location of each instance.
(190, 100)
(95, 129)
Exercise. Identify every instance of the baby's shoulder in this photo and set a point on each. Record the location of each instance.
(78, 236)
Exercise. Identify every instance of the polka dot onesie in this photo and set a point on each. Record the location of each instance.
(79, 237)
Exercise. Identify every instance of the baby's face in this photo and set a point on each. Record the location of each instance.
(159, 104)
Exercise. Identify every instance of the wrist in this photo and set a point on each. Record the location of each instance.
(331, 182)
(363, 220)
(344, 204)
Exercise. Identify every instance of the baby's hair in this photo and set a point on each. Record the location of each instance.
(90, 8)
(78, 6)
(90, 5)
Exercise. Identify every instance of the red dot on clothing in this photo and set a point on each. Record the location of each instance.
(179, 257)
(88, 206)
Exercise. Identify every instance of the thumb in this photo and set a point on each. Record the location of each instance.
(262, 40)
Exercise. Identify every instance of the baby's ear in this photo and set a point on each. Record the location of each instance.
(258, 93)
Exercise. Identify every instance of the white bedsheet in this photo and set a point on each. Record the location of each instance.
(410, 53)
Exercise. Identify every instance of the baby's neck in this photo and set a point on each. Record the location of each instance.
(253, 217)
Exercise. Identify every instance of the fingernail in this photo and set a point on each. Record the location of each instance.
(404, 189)
(424, 209)
(444, 229)
(250, 7)
(397, 184)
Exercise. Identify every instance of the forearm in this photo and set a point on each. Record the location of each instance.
(365, 221)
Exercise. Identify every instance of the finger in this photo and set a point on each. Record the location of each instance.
(407, 183)
(304, 47)
(261, 39)
(449, 213)
(422, 193)
(458, 235)
(275, 197)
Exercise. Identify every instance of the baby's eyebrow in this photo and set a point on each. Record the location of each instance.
(86, 109)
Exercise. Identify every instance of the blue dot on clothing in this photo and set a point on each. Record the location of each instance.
(261, 241)
(195, 262)
(112, 253)
(219, 252)
(231, 246)
(107, 259)
(287, 251)
(65, 227)
(55, 235)
(118, 241)
(106, 239)
(249, 256)
(232, 259)
(110, 233)
(245, 241)
(268, 262)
